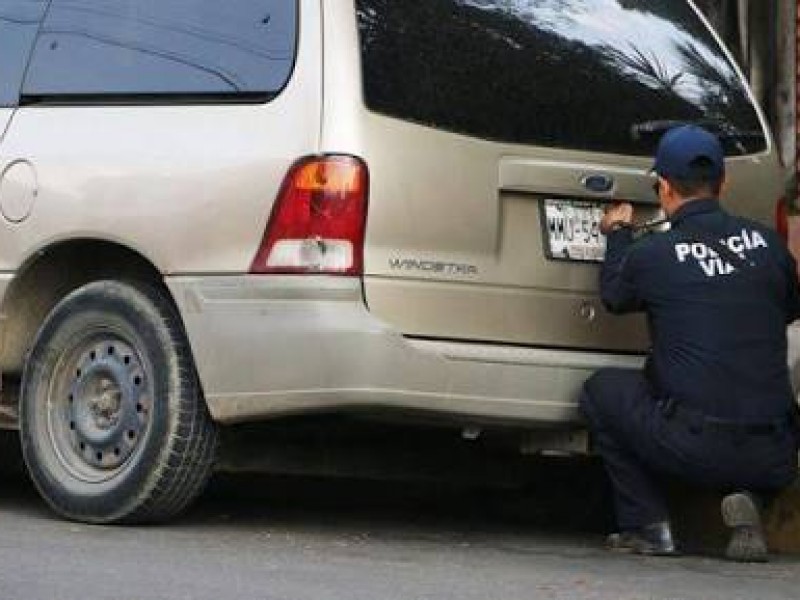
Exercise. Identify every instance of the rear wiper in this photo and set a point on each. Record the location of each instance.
(724, 131)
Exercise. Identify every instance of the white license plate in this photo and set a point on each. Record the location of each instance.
(572, 230)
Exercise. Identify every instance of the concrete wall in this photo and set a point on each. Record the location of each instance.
(786, 89)
(763, 38)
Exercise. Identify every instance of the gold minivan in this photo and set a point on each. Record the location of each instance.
(226, 212)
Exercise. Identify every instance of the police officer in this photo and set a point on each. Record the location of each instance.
(713, 404)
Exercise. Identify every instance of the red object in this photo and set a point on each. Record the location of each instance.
(318, 221)
(782, 219)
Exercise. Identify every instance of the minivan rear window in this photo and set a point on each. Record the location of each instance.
(158, 47)
(19, 22)
(593, 75)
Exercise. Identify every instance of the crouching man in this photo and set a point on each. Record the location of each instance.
(714, 404)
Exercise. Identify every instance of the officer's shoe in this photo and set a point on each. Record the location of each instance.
(740, 512)
(654, 539)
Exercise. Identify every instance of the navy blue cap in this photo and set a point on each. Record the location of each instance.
(683, 145)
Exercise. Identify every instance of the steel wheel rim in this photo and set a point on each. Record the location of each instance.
(100, 405)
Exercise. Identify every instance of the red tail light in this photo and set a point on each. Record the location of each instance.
(782, 219)
(318, 220)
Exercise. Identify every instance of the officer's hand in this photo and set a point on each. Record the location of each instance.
(616, 214)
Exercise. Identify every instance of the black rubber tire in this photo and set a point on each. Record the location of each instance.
(172, 460)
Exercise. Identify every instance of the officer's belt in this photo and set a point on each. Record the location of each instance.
(672, 410)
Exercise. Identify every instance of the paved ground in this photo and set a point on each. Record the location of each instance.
(295, 539)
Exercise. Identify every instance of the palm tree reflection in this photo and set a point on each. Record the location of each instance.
(539, 71)
(646, 66)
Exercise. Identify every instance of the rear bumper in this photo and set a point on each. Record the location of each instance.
(273, 346)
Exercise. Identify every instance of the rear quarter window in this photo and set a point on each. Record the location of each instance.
(19, 22)
(574, 74)
(164, 47)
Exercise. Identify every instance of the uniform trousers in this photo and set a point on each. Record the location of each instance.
(643, 440)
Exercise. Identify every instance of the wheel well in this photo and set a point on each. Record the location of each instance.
(52, 274)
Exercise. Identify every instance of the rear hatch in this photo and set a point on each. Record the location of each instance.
(496, 131)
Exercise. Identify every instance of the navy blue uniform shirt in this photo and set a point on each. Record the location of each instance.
(718, 329)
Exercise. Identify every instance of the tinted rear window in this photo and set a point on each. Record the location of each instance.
(155, 47)
(576, 74)
(19, 22)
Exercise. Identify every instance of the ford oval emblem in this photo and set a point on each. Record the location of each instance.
(599, 184)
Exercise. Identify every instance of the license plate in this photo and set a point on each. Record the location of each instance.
(572, 230)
